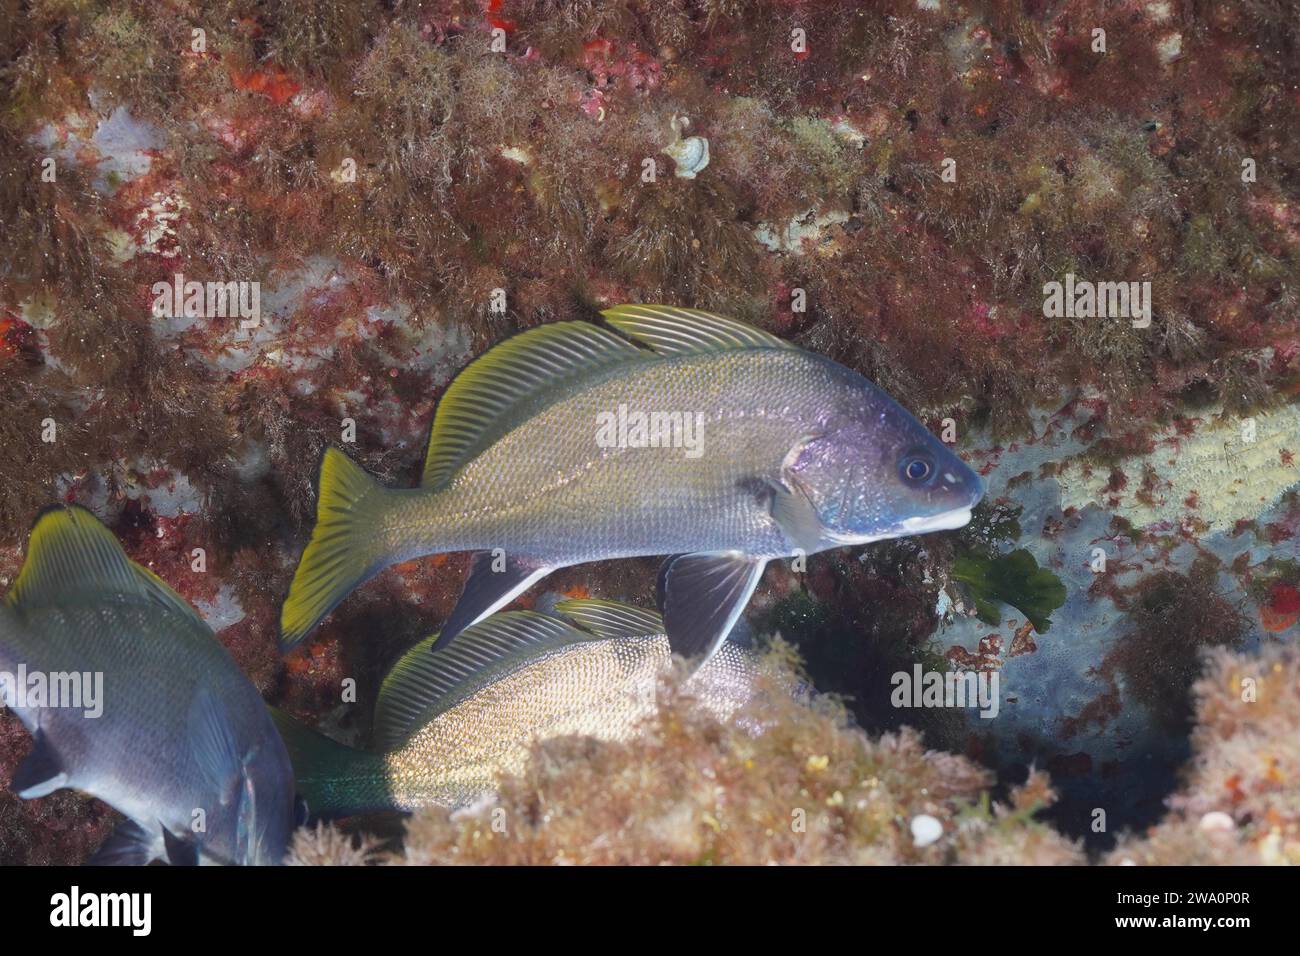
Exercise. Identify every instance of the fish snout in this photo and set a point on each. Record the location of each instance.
(959, 484)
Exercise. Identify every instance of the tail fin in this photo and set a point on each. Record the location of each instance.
(344, 550)
(333, 779)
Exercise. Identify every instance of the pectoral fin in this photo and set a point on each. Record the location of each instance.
(495, 579)
(213, 745)
(793, 510)
(702, 595)
(41, 772)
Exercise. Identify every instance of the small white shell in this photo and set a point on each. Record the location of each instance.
(690, 154)
(925, 830)
(1217, 821)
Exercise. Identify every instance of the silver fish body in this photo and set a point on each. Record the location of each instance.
(792, 454)
(182, 744)
(445, 734)
(546, 489)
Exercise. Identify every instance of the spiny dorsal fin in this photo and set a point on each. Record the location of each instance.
(424, 683)
(71, 554)
(606, 619)
(673, 331)
(475, 409)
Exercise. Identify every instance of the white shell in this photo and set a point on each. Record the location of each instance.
(925, 830)
(690, 154)
(1217, 821)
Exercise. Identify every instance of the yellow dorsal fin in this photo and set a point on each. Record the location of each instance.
(425, 682)
(494, 392)
(607, 619)
(71, 555)
(673, 331)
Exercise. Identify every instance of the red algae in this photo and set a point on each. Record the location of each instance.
(272, 82)
(409, 186)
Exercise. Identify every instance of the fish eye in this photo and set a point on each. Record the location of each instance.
(916, 468)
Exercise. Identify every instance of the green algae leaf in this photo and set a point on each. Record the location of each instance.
(990, 526)
(1014, 579)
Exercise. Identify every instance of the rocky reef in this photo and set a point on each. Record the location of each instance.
(1237, 802)
(786, 781)
(382, 190)
(792, 782)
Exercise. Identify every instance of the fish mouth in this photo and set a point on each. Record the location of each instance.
(948, 521)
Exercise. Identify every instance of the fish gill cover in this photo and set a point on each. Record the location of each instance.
(1064, 236)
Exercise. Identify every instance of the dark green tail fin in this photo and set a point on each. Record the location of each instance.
(333, 779)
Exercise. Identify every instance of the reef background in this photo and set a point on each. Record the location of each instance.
(522, 170)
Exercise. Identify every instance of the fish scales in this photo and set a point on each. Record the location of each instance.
(742, 448)
(180, 743)
(133, 647)
(547, 488)
(604, 691)
(445, 735)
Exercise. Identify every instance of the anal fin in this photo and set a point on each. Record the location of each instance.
(701, 596)
(129, 845)
(180, 852)
(41, 772)
(494, 581)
